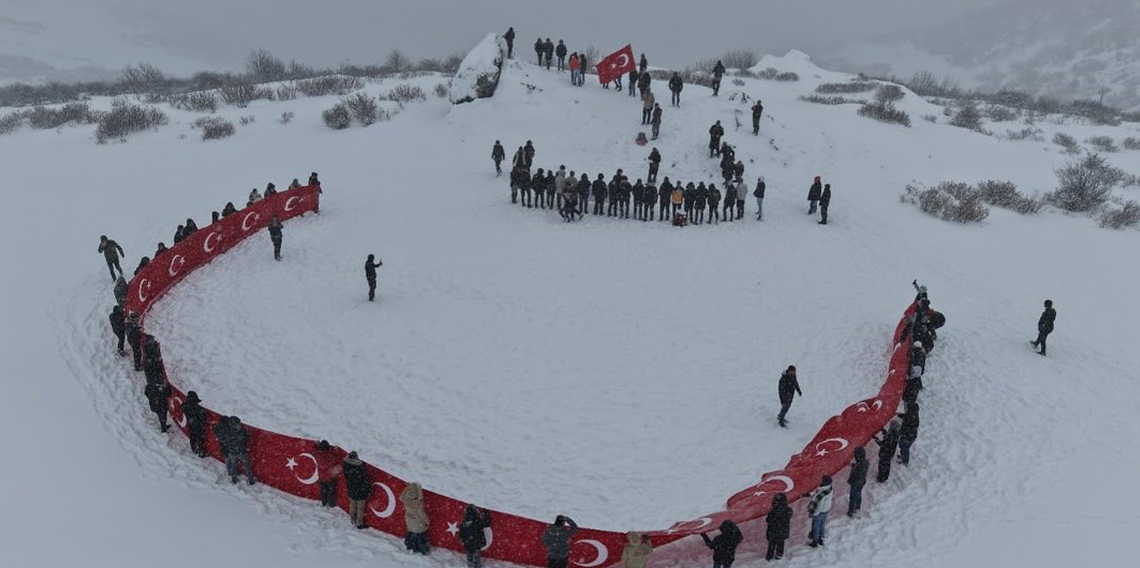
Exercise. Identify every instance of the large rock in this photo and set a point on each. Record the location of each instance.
(478, 75)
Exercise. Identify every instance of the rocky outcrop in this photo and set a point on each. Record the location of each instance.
(478, 75)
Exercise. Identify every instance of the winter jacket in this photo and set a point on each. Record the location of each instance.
(724, 544)
(909, 429)
(415, 516)
(888, 443)
(647, 100)
(820, 500)
(761, 187)
(857, 476)
(788, 388)
(158, 395)
(549, 48)
(471, 529)
(111, 250)
(757, 110)
(1046, 322)
(329, 464)
(678, 196)
(636, 552)
(676, 84)
(356, 481)
(656, 117)
(655, 156)
(718, 71)
(716, 131)
(498, 153)
(560, 50)
(370, 269)
(539, 46)
(275, 230)
(574, 65)
(643, 81)
(825, 197)
(118, 321)
(599, 187)
(814, 191)
(556, 539)
(559, 180)
(779, 521)
(714, 197)
(194, 415)
(729, 194)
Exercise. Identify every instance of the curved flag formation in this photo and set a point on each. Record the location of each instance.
(288, 464)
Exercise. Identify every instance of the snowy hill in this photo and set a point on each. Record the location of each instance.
(621, 372)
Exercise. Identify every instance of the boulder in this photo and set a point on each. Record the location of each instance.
(478, 75)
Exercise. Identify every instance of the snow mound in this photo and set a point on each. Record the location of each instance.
(478, 75)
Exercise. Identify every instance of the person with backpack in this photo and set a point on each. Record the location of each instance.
(819, 504)
(824, 203)
(416, 519)
(195, 417)
(758, 193)
(498, 154)
(111, 253)
(158, 397)
(757, 111)
(119, 327)
(789, 387)
(472, 534)
(370, 266)
(714, 203)
(637, 550)
(724, 544)
(814, 193)
(715, 132)
(655, 120)
(779, 522)
(275, 236)
(510, 37)
(718, 72)
(1044, 327)
(560, 51)
(358, 486)
(556, 538)
(675, 86)
(856, 479)
(908, 432)
(888, 441)
(233, 441)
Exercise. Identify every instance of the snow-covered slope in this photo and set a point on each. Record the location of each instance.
(618, 371)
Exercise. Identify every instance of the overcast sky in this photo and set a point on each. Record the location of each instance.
(218, 33)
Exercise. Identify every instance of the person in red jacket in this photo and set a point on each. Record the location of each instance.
(575, 69)
(328, 471)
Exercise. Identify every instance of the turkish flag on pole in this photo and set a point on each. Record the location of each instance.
(615, 65)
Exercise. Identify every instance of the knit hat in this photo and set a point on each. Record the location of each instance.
(825, 481)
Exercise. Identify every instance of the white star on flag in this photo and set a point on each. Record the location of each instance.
(291, 464)
(453, 528)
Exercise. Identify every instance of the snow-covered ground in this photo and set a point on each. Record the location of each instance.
(617, 371)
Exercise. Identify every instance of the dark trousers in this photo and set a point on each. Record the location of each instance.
(599, 206)
(656, 129)
(136, 350)
(526, 197)
(161, 413)
(498, 167)
(328, 493)
(561, 62)
(556, 562)
(510, 49)
(623, 209)
(653, 166)
(550, 200)
(112, 265)
(122, 337)
(1042, 335)
(739, 208)
(755, 126)
(646, 114)
(823, 213)
(676, 99)
(277, 248)
(474, 559)
(612, 209)
(714, 213)
(812, 203)
(728, 210)
(371, 289)
(884, 468)
(775, 549)
(417, 542)
(904, 451)
(664, 210)
(784, 407)
(198, 441)
(716, 87)
(855, 500)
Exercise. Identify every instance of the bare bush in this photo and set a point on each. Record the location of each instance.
(968, 117)
(738, 81)
(143, 76)
(199, 102)
(925, 84)
(833, 100)
(48, 118)
(846, 88)
(1004, 194)
(1067, 142)
(930, 118)
(338, 117)
(889, 94)
(773, 74)
(787, 77)
(287, 92)
(363, 108)
(10, 122)
(999, 113)
(739, 59)
(286, 117)
(1103, 143)
(1127, 216)
(238, 94)
(440, 90)
(125, 118)
(1085, 185)
(214, 128)
(246, 120)
(1027, 133)
(949, 201)
(331, 85)
(884, 112)
(404, 93)
(397, 62)
(1132, 143)
(264, 66)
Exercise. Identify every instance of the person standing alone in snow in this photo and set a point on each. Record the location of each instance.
(654, 163)
(498, 154)
(718, 72)
(757, 111)
(856, 479)
(111, 253)
(724, 544)
(675, 85)
(819, 504)
(370, 266)
(275, 236)
(761, 188)
(655, 120)
(556, 538)
(510, 37)
(1044, 326)
(789, 387)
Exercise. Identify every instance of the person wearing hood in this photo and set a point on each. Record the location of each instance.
(295, 184)
(647, 102)
(473, 534)
(1044, 326)
(548, 49)
(179, 234)
(275, 236)
(111, 253)
(824, 203)
(675, 86)
(158, 250)
(724, 544)
(779, 521)
(119, 327)
(329, 469)
(789, 387)
(158, 397)
(908, 432)
(560, 52)
(757, 111)
(556, 538)
(599, 189)
(134, 338)
(142, 264)
(813, 195)
(856, 479)
(358, 486)
(636, 552)
(370, 266)
(314, 181)
(195, 417)
(758, 193)
(819, 504)
(920, 291)
(189, 229)
(715, 133)
(888, 441)
(270, 190)
(583, 186)
(575, 68)
(233, 441)
(153, 369)
(229, 209)
(416, 519)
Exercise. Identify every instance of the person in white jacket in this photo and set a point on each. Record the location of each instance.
(819, 503)
(560, 184)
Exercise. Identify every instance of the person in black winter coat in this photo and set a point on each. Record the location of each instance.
(560, 52)
(510, 37)
(111, 253)
(153, 367)
(664, 195)
(718, 72)
(275, 236)
(713, 197)
(548, 50)
(654, 164)
(813, 195)
(908, 432)
(757, 111)
(540, 50)
(1044, 326)
(134, 338)
(229, 209)
(856, 479)
(498, 154)
(233, 441)
(473, 535)
(715, 132)
(779, 521)
(643, 65)
(599, 189)
(528, 153)
(358, 486)
(724, 544)
(190, 228)
(888, 441)
(824, 203)
(142, 264)
(119, 327)
(195, 417)
(655, 120)
(789, 387)
(158, 397)
(633, 77)
(556, 539)
(643, 82)
(370, 266)
(675, 86)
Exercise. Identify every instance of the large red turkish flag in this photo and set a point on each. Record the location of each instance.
(615, 65)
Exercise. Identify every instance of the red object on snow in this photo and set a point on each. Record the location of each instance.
(615, 64)
(641, 140)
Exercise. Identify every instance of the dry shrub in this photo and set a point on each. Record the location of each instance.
(214, 128)
(1127, 216)
(949, 201)
(846, 88)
